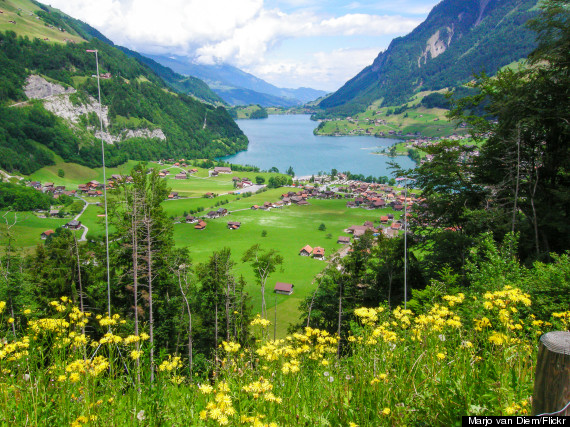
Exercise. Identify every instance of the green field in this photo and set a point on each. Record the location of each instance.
(430, 122)
(23, 12)
(288, 229)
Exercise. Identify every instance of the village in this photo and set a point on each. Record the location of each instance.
(378, 209)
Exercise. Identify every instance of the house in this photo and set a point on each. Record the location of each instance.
(343, 240)
(201, 225)
(283, 288)
(234, 225)
(46, 234)
(319, 253)
(369, 224)
(181, 175)
(398, 207)
(255, 207)
(222, 212)
(173, 195)
(54, 212)
(306, 251)
(73, 225)
(191, 219)
(222, 169)
(396, 226)
(212, 214)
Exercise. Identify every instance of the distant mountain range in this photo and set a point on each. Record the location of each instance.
(458, 38)
(237, 87)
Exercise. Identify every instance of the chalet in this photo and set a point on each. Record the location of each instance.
(306, 251)
(73, 225)
(191, 219)
(286, 201)
(35, 184)
(303, 203)
(343, 240)
(396, 226)
(358, 201)
(46, 234)
(209, 195)
(213, 173)
(105, 76)
(98, 193)
(234, 225)
(60, 189)
(212, 214)
(283, 288)
(173, 195)
(267, 206)
(222, 169)
(48, 185)
(54, 212)
(165, 172)
(222, 212)
(398, 207)
(368, 224)
(350, 204)
(192, 170)
(384, 219)
(91, 193)
(94, 184)
(378, 204)
(181, 175)
(319, 253)
(255, 207)
(115, 177)
(200, 226)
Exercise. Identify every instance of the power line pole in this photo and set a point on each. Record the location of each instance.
(104, 183)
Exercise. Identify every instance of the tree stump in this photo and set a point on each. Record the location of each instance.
(552, 377)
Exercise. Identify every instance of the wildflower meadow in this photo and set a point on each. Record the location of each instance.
(462, 355)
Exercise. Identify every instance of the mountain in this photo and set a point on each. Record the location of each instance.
(48, 100)
(458, 38)
(184, 84)
(238, 87)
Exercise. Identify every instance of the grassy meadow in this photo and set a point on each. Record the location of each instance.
(23, 12)
(287, 229)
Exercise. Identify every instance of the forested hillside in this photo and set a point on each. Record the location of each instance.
(459, 38)
(135, 98)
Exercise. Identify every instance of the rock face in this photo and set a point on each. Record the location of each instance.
(56, 99)
(39, 88)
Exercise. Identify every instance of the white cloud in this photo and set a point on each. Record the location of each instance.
(242, 33)
(323, 70)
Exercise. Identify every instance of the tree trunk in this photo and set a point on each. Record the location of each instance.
(149, 279)
(339, 317)
(134, 226)
(79, 280)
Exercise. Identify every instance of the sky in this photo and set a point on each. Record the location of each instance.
(289, 43)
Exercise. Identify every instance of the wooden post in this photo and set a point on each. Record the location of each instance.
(552, 378)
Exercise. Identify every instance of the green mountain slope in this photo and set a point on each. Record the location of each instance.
(138, 103)
(459, 38)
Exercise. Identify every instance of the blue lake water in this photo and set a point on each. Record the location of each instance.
(288, 140)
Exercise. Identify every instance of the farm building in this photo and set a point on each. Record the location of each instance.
(283, 288)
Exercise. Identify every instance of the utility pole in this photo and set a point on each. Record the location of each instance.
(104, 184)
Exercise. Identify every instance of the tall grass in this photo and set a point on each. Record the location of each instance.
(461, 355)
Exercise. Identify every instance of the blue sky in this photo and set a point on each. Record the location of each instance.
(289, 43)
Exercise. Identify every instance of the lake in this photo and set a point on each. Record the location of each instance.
(288, 140)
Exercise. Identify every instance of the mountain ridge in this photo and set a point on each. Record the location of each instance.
(227, 80)
(457, 39)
